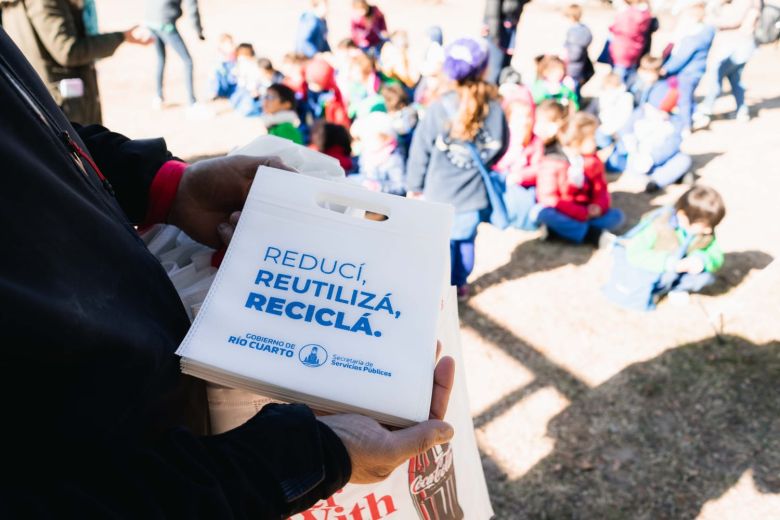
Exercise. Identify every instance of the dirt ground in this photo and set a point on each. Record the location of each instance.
(582, 410)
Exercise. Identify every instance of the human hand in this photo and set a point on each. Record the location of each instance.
(690, 265)
(415, 195)
(210, 194)
(139, 35)
(594, 210)
(376, 451)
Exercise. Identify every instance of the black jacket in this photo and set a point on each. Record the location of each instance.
(97, 416)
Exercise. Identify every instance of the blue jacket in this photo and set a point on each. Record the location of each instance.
(663, 151)
(312, 35)
(689, 58)
(578, 39)
(442, 168)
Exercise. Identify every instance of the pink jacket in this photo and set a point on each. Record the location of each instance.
(629, 34)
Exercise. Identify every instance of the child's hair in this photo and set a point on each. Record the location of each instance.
(702, 204)
(395, 96)
(364, 62)
(475, 97)
(612, 80)
(285, 93)
(245, 49)
(327, 135)
(577, 128)
(573, 12)
(265, 64)
(551, 110)
(651, 63)
(546, 62)
(509, 75)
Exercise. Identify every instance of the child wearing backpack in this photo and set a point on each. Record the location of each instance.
(571, 186)
(692, 220)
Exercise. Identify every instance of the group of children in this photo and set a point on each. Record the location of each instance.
(431, 127)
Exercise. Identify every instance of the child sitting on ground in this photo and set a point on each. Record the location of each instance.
(693, 219)
(223, 83)
(382, 164)
(648, 86)
(578, 39)
(549, 118)
(613, 107)
(333, 140)
(649, 146)
(525, 148)
(571, 187)
(549, 84)
(323, 97)
(279, 116)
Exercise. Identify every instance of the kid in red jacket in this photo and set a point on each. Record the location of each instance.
(571, 187)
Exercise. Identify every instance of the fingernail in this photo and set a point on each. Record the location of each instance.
(445, 434)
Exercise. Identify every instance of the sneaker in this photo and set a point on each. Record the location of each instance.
(157, 103)
(743, 114)
(464, 292)
(652, 187)
(607, 240)
(593, 236)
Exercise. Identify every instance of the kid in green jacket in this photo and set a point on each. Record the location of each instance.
(279, 114)
(693, 218)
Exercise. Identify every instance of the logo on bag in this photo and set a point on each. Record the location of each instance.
(313, 355)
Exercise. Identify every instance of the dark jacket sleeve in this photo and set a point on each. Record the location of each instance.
(130, 165)
(56, 30)
(279, 463)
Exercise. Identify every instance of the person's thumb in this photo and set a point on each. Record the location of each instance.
(421, 437)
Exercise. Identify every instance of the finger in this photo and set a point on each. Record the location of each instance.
(443, 381)
(248, 165)
(225, 232)
(419, 438)
(233, 220)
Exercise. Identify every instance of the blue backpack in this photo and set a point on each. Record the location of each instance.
(630, 286)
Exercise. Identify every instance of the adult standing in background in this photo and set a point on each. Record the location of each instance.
(500, 26)
(161, 17)
(733, 46)
(61, 40)
(312, 35)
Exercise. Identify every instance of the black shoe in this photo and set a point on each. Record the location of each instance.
(652, 187)
(593, 236)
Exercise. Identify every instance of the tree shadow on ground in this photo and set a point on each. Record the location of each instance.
(659, 439)
(735, 268)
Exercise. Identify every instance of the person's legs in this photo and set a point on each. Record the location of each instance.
(672, 170)
(159, 46)
(687, 86)
(610, 220)
(175, 40)
(462, 237)
(694, 283)
(714, 82)
(618, 159)
(734, 76)
(560, 224)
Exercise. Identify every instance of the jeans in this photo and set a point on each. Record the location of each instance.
(662, 174)
(729, 66)
(172, 37)
(671, 281)
(687, 86)
(575, 230)
(462, 237)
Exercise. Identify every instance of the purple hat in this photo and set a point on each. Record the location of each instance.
(466, 58)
